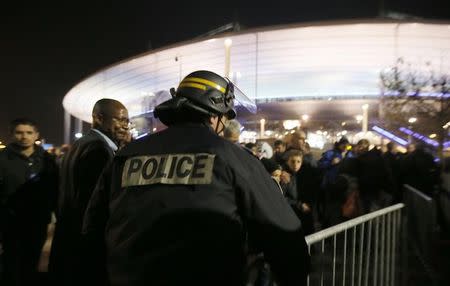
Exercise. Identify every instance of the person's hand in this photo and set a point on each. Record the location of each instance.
(127, 139)
(335, 161)
(306, 208)
(285, 177)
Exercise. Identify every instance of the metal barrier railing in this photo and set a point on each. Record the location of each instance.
(361, 251)
(421, 218)
(422, 222)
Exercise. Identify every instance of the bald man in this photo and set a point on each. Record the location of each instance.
(80, 170)
(232, 131)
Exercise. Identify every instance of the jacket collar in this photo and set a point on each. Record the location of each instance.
(16, 151)
(110, 143)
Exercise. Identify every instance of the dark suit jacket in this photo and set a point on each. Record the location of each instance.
(80, 171)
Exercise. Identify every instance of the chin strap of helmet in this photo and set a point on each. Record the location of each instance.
(219, 120)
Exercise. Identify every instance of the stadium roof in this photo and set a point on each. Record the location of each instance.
(319, 60)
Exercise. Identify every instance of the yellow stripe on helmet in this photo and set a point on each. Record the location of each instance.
(204, 81)
(191, 84)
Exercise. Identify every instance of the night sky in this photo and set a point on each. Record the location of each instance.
(46, 48)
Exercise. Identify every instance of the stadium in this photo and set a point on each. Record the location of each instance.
(318, 75)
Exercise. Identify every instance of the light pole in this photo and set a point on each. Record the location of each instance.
(67, 131)
(305, 118)
(365, 118)
(262, 126)
(227, 43)
(411, 121)
(359, 118)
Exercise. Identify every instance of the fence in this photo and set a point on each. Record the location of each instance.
(362, 251)
(421, 215)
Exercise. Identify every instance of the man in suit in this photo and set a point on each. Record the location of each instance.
(80, 171)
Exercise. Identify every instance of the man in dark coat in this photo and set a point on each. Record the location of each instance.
(376, 187)
(279, 147)
(28, 186)
(80, 171)
(392, 160)
(420, 170)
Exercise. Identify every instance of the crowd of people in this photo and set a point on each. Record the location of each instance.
(36, 184)
(185, 204)
(319, 188)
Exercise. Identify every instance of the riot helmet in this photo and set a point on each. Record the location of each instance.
(204, 92)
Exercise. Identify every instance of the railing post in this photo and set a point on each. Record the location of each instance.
(353, 255)
(394, 249)
(402, 224)
(375, 263)
(388, 249)
(322, 263)
(334, 260)
(383, 241)
(369, 239)
(345, 258)
(361, 249)
(307, 279)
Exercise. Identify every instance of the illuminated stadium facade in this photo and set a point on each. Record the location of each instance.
(327, 70)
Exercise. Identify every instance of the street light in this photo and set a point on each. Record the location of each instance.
(227, 43)
(262, 123)
(365, 119)
(412, 120)
(290, 124)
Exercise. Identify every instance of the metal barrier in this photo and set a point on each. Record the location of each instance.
(421, 216)
(443, 202)
(361, 251)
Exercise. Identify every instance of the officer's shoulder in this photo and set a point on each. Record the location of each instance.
(241, 152)
(249, 151)
(136, 146)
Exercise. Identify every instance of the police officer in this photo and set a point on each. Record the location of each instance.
(185, 205)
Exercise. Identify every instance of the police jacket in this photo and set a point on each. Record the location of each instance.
(184, 204)
(28, 186)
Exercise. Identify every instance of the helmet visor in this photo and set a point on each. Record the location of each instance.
(243, 100)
